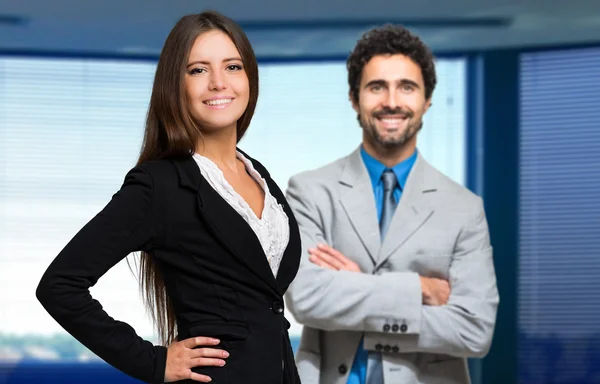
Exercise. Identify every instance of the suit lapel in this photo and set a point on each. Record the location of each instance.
(226, 224)
(359, 203)
(290, 260)
(412, 211)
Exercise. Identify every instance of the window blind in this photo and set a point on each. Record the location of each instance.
(559, 239)
(70, 129)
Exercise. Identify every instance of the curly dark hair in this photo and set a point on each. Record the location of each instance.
(390, 40)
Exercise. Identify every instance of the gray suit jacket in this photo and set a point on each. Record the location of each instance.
(439, 230)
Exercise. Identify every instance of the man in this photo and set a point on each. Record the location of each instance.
(397, 283)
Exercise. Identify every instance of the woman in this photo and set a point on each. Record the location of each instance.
(218, 240)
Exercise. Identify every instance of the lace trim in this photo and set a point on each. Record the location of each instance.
(272, 229)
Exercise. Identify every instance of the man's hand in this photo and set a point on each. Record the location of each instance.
(435, 291)
(327, 257)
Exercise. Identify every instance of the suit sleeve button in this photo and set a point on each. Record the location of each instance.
(342, 369)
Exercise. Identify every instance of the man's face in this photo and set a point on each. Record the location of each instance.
(391, 101)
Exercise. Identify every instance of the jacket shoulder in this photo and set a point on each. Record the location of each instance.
(160, 167)
(462, 198)
(322, 175)
(161, 173)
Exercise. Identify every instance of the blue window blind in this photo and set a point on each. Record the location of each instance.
(71, 128)
(559, 288)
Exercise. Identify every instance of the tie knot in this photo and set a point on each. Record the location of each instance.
(389, 180)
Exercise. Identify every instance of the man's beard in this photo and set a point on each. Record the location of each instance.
(370, 127)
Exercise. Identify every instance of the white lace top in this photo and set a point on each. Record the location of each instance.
(272, 229)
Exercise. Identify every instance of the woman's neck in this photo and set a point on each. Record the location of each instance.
(220, 147)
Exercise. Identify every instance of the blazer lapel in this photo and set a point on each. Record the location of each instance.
(291, 257)
(227, 225)
(412, 211)
(359, 203)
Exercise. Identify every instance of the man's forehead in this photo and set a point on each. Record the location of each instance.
(391, 68)
(391, 63)
(392, 76)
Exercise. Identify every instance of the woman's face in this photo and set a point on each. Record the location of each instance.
(216, 83)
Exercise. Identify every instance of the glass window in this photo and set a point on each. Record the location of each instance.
(559, 224)
(70, 129)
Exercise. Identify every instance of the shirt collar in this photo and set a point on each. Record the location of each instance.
(375, 168)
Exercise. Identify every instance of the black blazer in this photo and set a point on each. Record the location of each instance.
(214, 269)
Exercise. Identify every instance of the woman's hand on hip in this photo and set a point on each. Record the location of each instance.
(184, 355)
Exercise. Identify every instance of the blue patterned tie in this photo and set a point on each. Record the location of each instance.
(389, 203)
(374, 365)
(367, 367)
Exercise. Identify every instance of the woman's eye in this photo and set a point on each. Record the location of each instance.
(234, 67)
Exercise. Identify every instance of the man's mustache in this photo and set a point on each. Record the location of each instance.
(390, 112)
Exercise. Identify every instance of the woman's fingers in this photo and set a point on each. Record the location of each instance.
(193, 342)
(207, 362)
(209, 352)
(201, 378)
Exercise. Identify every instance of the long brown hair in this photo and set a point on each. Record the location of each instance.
(171, 131)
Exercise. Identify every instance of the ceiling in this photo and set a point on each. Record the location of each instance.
(306, 28)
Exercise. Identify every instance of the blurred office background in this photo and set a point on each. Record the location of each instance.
(515, 118)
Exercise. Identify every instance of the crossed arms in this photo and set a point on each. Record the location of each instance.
(400, 309)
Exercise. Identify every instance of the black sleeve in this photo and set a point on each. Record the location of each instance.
(128, 223)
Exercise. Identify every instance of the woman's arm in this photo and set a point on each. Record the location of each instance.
(128, 223)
